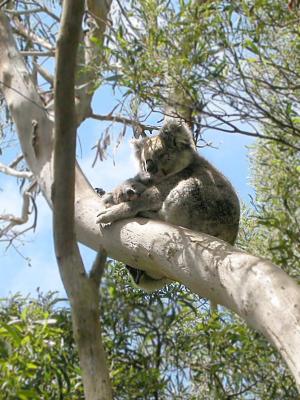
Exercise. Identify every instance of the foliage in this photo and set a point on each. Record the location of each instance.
(218, 60)
(169, 345)
(275, 219)
(38, 359)
(160, 346)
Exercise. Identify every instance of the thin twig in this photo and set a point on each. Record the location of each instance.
(123, 120)
(14, 163)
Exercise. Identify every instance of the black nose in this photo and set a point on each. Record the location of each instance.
(130, 192)
(151, 167)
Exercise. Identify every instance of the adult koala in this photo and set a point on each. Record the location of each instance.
(181, 188)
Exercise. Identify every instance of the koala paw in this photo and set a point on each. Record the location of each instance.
(106, 217)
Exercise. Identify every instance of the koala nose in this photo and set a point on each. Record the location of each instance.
(130, 192)
(151, 167)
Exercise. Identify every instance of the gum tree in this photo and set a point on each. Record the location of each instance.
(46, 124)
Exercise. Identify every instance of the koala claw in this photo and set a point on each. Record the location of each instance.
(105, 217)
(103, 225)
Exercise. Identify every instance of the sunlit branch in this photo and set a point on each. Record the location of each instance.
(5, 169)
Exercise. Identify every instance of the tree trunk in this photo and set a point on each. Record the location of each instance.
(83, 291)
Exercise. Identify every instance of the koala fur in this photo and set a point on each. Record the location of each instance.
(129, 190)
(180, 187)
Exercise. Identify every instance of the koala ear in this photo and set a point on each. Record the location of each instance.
(176, 134)
(137, 145)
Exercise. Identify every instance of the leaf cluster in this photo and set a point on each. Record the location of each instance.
(170, 345)
(234, 66)
(38, 359)
(273, 223)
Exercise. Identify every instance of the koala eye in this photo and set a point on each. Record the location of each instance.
(151, 167)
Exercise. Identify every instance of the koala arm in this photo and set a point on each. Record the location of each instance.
(107, 199)
(149, 200)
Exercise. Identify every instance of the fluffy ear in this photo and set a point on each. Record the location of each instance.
(177, 134)
(137, 145)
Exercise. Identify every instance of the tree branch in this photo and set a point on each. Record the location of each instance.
(98, 266)
(23, 219)
(90, 56)
(22, 31)
(34, 53)
(5, 169)
(44, 73)
(65, 128)
(123, 120)
(16, 161)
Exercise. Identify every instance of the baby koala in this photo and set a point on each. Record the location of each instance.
(129, 190)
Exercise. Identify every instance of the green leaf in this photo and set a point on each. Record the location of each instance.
(250, 44)
(31, 365)
(114, 78)
(296, 120)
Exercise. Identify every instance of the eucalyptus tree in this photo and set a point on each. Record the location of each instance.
(221, 73)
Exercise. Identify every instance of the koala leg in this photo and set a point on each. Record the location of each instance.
(146, 282)
(114, 213)
(149, 200)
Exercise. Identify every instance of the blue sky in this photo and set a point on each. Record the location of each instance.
(16, 275)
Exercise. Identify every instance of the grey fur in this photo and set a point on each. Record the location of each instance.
(180, 187)
(129, 190)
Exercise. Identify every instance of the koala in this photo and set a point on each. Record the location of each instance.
(180, 187)
(129, 190)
